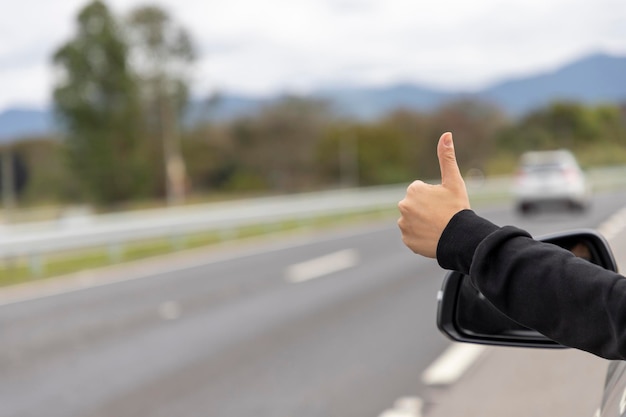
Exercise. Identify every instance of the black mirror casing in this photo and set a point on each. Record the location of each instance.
(464, 315)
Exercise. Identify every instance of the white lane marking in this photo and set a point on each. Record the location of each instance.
(321, 266)
(405, 407)
(169, 310)
(452, 363)
(613, 225)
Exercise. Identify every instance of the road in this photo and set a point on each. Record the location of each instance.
(338, 323)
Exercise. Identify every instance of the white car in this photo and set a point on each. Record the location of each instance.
(550, 178)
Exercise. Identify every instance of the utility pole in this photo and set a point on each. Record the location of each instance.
(348, 161)
(175, 172)
(8, 181)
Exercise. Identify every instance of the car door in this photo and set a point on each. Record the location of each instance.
(614, 394)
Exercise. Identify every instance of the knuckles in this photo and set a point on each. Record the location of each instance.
(415, 186)
(414, 194)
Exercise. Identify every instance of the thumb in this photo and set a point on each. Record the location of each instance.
(450, 174)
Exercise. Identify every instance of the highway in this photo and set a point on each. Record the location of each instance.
(340, 323)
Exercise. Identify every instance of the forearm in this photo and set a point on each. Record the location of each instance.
(539, 285)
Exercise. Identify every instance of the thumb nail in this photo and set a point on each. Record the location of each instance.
(447, 140)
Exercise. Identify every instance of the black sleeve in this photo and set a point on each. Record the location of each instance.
(541, 286)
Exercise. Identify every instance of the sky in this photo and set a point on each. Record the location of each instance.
(263, 47)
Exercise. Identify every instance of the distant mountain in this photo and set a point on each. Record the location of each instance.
(25, 122)
(367, 103)
(224, 107)
(595, 79)
(591, 80)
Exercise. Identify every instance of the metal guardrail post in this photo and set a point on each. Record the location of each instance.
(116, 252)
(178, 241)
(36, 265)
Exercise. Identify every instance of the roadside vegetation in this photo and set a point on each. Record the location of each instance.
(122, 88)
(297, 145)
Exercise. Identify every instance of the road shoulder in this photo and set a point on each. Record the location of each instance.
(516, 382)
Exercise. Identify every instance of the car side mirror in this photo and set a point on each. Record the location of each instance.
(465, 315)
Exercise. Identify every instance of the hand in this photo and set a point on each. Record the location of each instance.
(426, 209)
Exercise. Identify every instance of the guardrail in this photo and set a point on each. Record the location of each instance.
(35, 240)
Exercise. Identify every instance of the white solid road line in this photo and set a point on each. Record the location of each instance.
(452, 363)
(613, 225)
(322, 266)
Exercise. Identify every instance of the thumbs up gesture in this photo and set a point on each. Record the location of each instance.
(426, 209)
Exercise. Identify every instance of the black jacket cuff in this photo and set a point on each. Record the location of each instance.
(460, 239)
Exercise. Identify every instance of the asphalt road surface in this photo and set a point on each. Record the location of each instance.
(334, 324)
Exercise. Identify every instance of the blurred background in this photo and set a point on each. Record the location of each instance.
(165, 131)
(121, 104)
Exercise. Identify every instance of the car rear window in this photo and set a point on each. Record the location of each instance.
(543, 167)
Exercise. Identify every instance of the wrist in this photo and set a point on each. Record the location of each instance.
(460, 238)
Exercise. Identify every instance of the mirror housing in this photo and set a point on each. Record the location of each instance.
(465, 315)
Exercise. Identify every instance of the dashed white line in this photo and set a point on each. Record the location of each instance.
(405, 407)
(452, 363)
(324, 265)
(169, 310)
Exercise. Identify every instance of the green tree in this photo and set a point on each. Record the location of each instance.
(612, 121)
(565, 125)
(420, 142)
(596, 134)
(276, 148)
(96, 99)
(475, 125)
(210, 157)
(162, 54)
(49, 179)
(568, 123)
(382, 153)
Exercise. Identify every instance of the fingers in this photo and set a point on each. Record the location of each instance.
(427, 209)
(450, 174)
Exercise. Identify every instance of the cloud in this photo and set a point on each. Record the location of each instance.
(260, 47)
